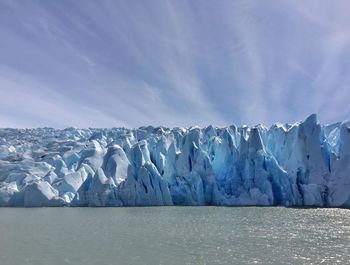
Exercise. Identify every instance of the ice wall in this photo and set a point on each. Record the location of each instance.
(302, 164)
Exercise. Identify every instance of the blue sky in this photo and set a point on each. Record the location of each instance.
(174, 63)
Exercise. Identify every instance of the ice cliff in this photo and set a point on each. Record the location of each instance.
(302, 164)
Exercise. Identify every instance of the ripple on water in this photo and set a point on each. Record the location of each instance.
(174, 235)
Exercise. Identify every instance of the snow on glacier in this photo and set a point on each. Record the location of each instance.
(302, 164)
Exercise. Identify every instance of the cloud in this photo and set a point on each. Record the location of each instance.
(31, 104)
(172, 63)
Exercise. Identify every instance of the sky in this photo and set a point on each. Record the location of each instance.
(90, 63)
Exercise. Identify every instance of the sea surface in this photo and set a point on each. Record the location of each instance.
(174, 235)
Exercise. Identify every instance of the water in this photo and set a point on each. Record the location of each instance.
(174, 235)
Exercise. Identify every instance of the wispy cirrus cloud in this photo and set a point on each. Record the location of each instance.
(172, 63)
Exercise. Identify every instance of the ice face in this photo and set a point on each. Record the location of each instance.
(302, 164)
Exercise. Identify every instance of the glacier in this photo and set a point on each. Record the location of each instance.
(301, 164)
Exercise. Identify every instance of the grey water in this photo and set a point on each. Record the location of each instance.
(174, 235)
